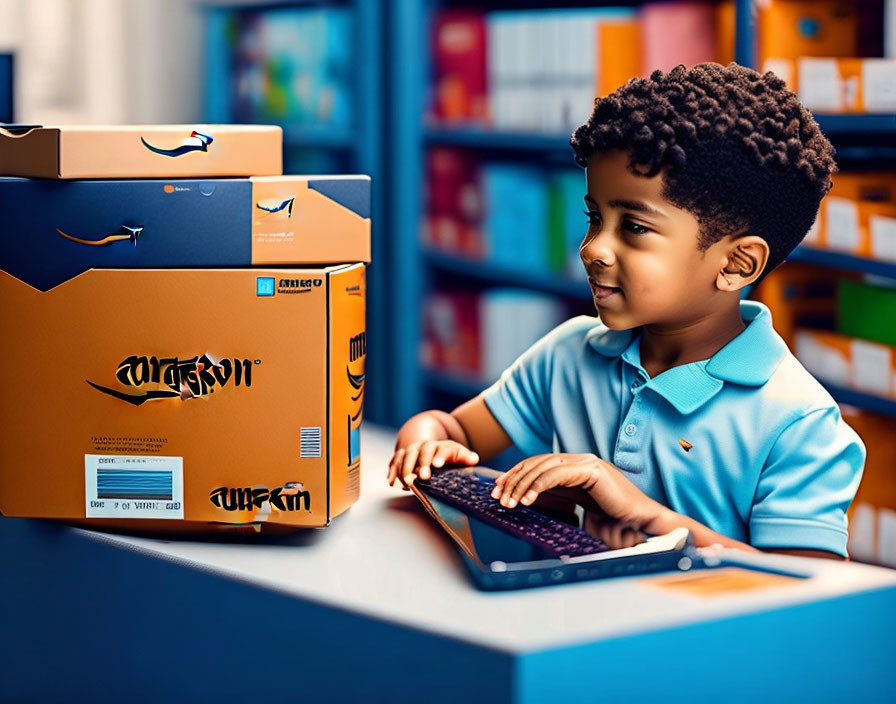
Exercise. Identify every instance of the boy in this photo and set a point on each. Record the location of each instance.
(679, 405)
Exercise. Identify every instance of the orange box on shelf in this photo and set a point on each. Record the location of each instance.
(839, 85)
(846, 225)
(856, 215)
(178, 398)
(141, 151)
(857, 364)
(872, 514)
(791, 29)
(619, 45)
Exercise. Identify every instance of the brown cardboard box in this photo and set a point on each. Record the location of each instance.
(180, 398)
(872, 514)
(141, 151)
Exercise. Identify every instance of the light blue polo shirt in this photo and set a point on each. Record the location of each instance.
(770, 462)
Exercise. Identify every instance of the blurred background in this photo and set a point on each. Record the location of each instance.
(461, 113)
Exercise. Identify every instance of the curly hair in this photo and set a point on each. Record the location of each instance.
(737, 150)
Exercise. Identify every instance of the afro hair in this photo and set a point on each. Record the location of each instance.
(737, 150)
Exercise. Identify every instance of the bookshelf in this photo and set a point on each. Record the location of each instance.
(860, 140)
(310, 147)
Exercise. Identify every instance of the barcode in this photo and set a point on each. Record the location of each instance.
(309, 442)
(134, 484)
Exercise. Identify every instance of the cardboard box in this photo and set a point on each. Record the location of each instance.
(178, 398)
(53, 230)
(858, 216)
(849, 362)
(839, 85)
(141, 151)
(872, 514)
(794, 28)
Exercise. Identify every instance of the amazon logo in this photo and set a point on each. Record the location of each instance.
(277, 206)
(125, 234)
(169, 377)
(196, 142)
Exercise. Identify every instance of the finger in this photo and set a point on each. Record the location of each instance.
(543, 477)
(459, 454)
(508, 495)
(506, 480)
(531, 485)
(394, 465)
(410, 461)
(424, 461)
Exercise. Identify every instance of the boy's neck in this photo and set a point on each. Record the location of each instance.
(665, 346)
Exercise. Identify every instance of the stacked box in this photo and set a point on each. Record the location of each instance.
(182, 353)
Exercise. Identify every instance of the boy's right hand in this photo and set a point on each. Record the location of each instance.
(418, 457)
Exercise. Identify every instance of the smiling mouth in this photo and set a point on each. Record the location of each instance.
(601, 292)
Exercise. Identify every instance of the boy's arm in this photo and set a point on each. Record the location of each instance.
(466, 436)
(470, 424)
(704, 536)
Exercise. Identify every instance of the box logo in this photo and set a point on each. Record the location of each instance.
(292, 496)
(196, 142)
(170, 377)
(125, 233)
(264, 286)
(275, 205)
(357, 352)
(298, 285)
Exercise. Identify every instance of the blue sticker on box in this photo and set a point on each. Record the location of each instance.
(264, 286)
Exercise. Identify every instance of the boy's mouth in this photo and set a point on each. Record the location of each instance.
(602, 292)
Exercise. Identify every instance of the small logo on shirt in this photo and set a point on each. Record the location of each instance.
(685, 444)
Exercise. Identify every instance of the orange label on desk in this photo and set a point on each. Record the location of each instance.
(718, 582)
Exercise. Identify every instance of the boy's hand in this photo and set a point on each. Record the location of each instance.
(615, 495)
(417, 458)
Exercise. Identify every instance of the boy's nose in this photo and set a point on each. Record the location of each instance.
(596, 251)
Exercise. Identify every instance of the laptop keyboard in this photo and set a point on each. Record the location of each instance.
(472, 495)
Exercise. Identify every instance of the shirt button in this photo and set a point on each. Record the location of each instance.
(631, 429)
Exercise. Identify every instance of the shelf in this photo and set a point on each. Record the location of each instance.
(453, 384)
(487, 272)
(483, 138)
(318, 137)
(486, 138)
(853, 124)
(843, 261)
(868, 402)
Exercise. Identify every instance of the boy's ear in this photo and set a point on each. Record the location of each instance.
(743, 263)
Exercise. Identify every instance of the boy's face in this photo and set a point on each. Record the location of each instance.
(641, 252)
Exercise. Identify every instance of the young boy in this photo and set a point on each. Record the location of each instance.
(679, 405)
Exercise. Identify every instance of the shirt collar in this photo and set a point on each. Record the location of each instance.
(749, 359)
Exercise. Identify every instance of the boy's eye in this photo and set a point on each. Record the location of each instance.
(632, 227)
(593, 217)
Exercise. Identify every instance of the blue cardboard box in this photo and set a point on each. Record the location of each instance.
(51, 230)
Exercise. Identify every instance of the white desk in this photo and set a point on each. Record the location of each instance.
(379, 606)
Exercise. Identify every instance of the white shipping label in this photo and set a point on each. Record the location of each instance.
(870, 367)
(883, 237)
(879, 83)
(842, 219)
(820, 87)
(132, 486)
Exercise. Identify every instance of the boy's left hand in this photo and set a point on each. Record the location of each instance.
(605, 484)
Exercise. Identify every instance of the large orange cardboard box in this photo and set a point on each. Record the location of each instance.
(141, 151)
(175, 398)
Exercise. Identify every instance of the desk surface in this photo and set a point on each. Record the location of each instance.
(386, 558)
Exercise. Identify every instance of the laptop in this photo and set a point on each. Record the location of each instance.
(530, 547)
